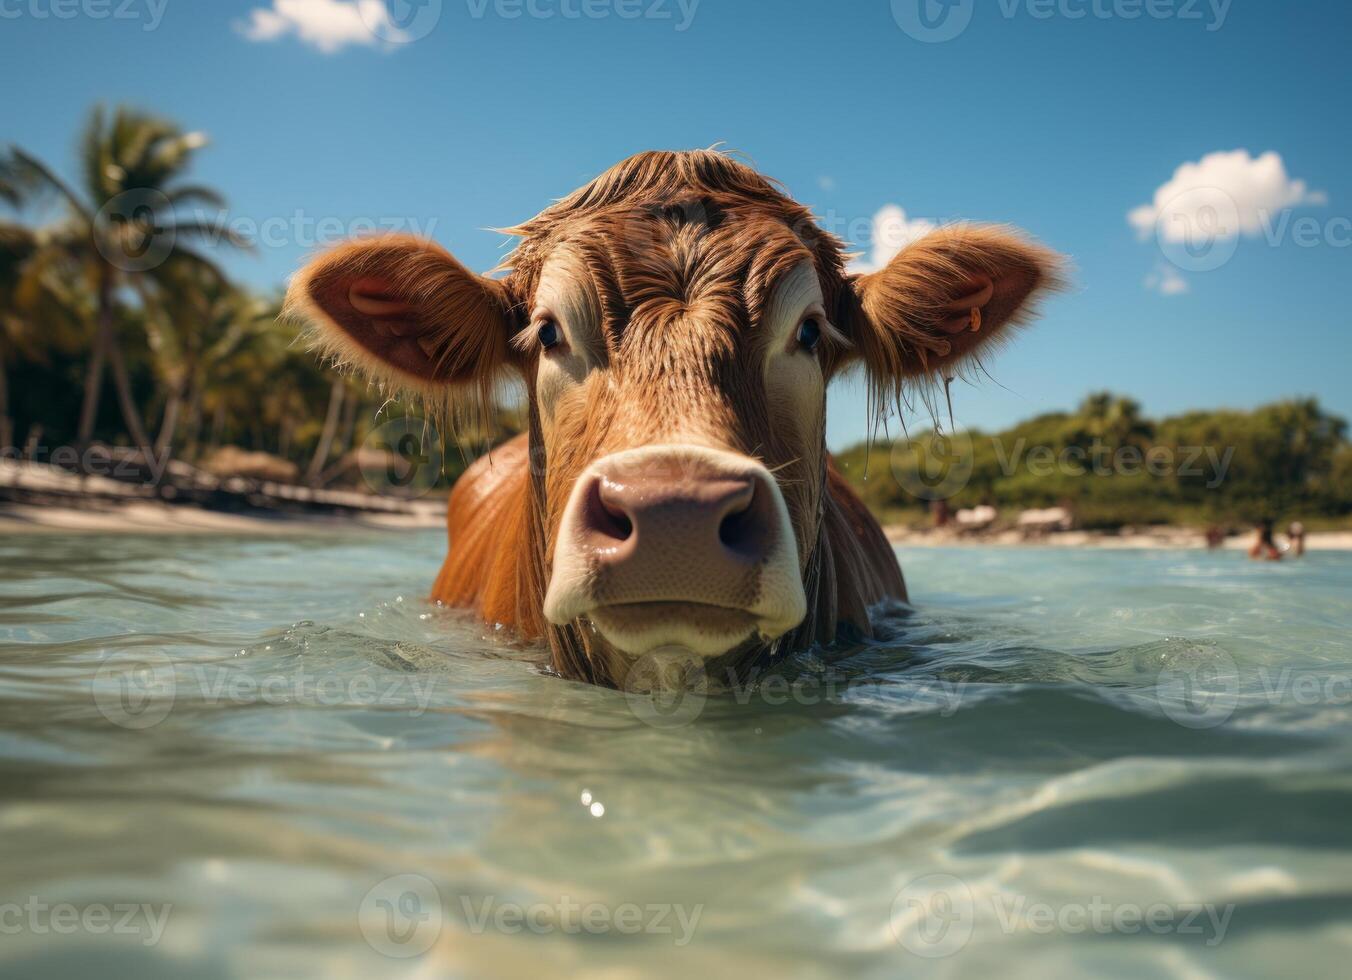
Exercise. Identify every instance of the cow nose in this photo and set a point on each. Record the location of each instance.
(720, 522)
(677, 545)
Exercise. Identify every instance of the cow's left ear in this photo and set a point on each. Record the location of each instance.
(942, 299)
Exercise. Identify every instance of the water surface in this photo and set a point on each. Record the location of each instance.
(271, 758)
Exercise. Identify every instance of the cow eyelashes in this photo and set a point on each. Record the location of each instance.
(545, 331)
(809, 335)
(549, 335)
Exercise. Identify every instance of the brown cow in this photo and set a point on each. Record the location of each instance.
(676, 321)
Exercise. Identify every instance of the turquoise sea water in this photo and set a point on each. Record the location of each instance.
(270, 758)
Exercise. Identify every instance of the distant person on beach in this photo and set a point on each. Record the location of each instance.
(1215, 537)
(1264, 548)
(1295, 533)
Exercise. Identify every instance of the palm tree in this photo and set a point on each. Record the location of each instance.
(196, 323)
(41, 309)
(120, 231)
(16, 245)
(1113, 420)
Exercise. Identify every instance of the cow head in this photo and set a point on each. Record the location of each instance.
(676, 322)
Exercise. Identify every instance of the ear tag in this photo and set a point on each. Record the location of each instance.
(976, 319)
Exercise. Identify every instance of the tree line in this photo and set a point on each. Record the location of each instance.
(1113, 466)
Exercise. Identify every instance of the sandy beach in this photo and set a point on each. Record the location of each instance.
(151, 517)
(37, 499)
(1182, 538)
(158, 517)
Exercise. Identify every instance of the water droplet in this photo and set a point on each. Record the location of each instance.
(597, 810)
(586, 797)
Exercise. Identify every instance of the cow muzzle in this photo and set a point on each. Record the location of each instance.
(677, 547)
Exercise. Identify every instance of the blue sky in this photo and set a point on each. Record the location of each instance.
(1060, 116)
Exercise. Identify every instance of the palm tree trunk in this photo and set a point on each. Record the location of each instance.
(330, 430)
(131, 415)
(164, 442)
(193, 442)
(217, 427)
(105, 347)
(93, 386)
(6, 423)
(284, 436)
(348, 428)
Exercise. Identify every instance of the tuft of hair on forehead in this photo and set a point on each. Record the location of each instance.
(684, 187)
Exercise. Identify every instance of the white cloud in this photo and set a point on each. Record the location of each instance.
(1222, 196)
(892, 231)
(329, 25)
(1167, 281)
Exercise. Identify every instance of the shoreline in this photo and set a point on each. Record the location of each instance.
(38, 498)
(159, 517)
(1165, 537)
(156, 517)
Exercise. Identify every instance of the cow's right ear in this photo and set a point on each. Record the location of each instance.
(404, 311)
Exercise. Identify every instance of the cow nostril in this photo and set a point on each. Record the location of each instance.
(607, 517)
(743, 531)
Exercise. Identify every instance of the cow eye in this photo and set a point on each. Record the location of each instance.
(809, 335)
(549, 334)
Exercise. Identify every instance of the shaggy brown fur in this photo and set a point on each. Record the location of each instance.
(682, 252)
